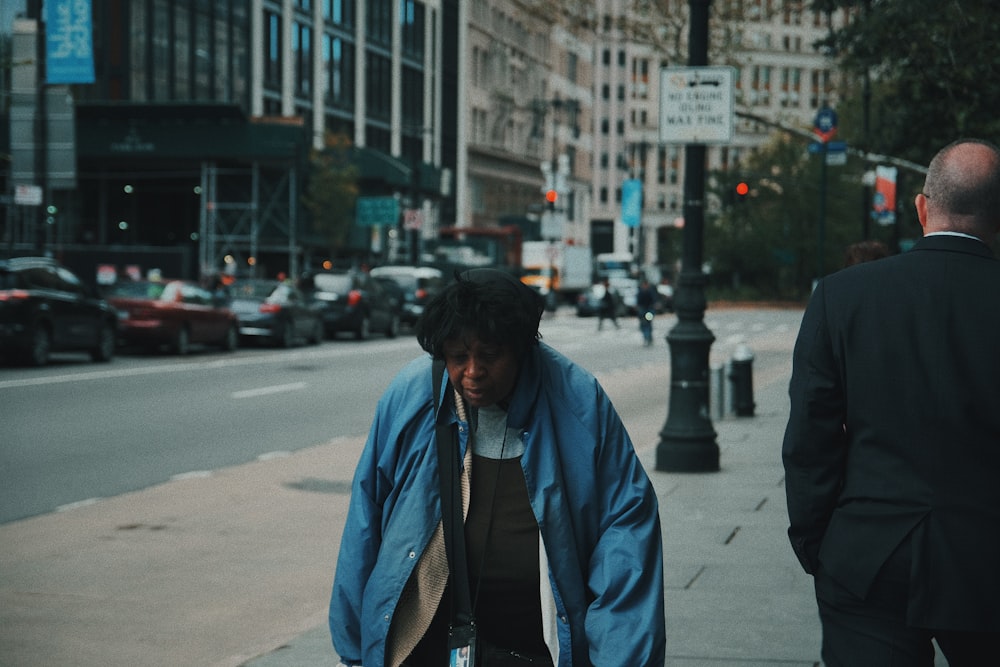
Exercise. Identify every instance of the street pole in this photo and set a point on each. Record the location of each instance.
(687, 440)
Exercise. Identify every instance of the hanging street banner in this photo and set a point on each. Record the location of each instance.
(632, 202)
(825, 125)
(69, 42)
(884, 199)
(696, 105)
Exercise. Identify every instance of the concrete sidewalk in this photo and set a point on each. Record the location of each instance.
(735, 592)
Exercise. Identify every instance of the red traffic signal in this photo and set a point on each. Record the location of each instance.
(742, 189)
(551, 196)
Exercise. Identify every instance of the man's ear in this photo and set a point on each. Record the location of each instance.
(921, 203)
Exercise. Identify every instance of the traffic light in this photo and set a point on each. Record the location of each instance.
(742, 190)
(550, 197)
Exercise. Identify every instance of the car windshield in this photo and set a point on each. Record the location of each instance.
(137, 290)
(333, 282)
(253, 289)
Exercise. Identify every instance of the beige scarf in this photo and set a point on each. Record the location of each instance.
(423, 591)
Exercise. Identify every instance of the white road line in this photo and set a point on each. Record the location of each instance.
(272, 456)
(273, 389)
(80, 503)
(194, 474)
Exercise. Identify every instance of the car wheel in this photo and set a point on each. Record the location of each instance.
(286, 337)
(105, 349)
(182, 342)
(393, 329)
(41, 345)
(232, 339)
(317, 334)
(364, 329)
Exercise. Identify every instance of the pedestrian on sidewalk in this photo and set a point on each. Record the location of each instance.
(645, 302)
(892, 447)
(609, 306)
(561, 523)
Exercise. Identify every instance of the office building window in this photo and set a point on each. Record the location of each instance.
(339, 12)
(379, 18)
(413, 17)
(302, 58)
(272, 51)
(378, 86)
(338, 65)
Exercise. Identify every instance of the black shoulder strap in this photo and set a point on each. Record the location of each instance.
(451, 505)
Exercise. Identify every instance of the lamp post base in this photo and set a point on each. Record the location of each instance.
(687, 440)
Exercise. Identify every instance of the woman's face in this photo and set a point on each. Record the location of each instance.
(484, 373)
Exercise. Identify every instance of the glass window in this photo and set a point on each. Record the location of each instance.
(338, 63)
(302, 57)
(413, 28)
(272, 50)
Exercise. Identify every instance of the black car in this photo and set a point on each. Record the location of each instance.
(418, 284)
(353, 301)
(276, 312)
(46, 308)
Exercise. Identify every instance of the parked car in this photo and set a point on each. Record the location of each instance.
(353, 301)
(277, 312)
(46, 308)
(418, 284)
(172, 313)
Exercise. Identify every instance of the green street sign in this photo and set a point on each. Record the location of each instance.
(377, 211)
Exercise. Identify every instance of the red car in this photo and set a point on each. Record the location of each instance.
(172, 313)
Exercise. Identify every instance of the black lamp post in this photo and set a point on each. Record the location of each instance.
(687, 440)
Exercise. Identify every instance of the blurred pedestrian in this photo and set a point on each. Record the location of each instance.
(561, 524)
(865, 251)
(609, 306)
(645, 302)
(892, 448)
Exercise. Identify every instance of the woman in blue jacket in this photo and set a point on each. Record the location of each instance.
(562, 527)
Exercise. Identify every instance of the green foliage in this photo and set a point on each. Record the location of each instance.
(332, 190)
(933, 68)
(768, 244)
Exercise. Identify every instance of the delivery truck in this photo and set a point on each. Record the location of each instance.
(559, 271)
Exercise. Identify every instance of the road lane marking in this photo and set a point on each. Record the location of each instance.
(265, 391)
(194, 474)
(76, 505)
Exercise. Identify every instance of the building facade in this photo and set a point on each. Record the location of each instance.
(197, 128)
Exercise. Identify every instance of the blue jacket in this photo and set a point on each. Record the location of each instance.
(596, 510)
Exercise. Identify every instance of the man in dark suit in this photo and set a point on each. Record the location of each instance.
(892, 448)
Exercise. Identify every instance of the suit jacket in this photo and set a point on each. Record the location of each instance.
(894, 429)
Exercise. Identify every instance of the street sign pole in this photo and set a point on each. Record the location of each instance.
(687, 440)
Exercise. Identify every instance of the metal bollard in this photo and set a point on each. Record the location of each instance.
(717, 399)
(741, 377)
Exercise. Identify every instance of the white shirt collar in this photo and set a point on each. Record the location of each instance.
(964, 236)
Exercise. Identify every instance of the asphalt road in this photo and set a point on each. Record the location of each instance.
(75, 431)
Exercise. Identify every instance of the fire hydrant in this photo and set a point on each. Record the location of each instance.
(741, 377)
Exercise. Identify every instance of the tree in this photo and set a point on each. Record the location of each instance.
(766, 246)
(332, 190)
(932, 65)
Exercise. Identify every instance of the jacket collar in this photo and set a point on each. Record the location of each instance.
(527, 388)
(966, 244)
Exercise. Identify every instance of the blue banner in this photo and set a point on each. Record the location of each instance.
(632, 202)
(69, 42)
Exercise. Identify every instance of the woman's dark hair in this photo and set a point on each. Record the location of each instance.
(489, 304)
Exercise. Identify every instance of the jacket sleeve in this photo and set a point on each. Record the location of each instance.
(359, 547)
(625, 622)
(814, 451)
